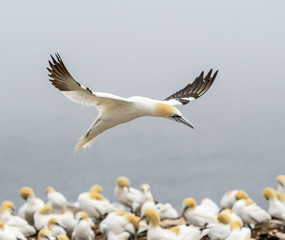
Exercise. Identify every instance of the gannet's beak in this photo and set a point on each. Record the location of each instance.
(182, 120)
(142, 218)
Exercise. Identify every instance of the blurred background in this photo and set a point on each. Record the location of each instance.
(152, 49)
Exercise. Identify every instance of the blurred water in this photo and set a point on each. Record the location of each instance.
(238, 142)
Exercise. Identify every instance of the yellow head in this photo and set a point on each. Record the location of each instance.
(7, 205)
(49, 190)
(45, 210)
(241, 195)
(188, 203)
(96, 188)
(123, 182)
(235, 225)
(247, 202)
(121, 213)
(62, 237)
(281, 197)
(227, 210)
(68, 212)
(269, 194)
(145, 188)
(2, 226)
(52, 222)
(281, 180)
(134, 220)
(224, 218)
(44, 234)
(82, 216)
(175, 230)
(172, 113)
(95, 196)
(152, 216)
(26, 192)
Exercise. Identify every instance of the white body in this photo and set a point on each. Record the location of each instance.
(83, 231)
(209, 204)
(28, 209)
(114, 223)
(57, 201)
(17, 222)
(143, 196)
(68, 222)
(200, 215)
(250, 214)
(219, 231)
(166, 211)
(228, 199)
(126, 196)
(239, 234)
(11, 234)
(191, 232)
(276, 209)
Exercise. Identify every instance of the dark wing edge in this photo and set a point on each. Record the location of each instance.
(60, 77)
(195, 89)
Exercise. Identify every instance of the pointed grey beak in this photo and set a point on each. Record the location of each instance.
(182, 120)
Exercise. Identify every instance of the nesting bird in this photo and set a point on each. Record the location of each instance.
(114, 110)
(32, 204)
(197, 215)
(144, 195)
(238, 232)
(281, 183)
(42, 216)
(124, 193)
(117, 224)
(220, 229)
(15, 222)
(276, 208)
(155, 232)
(82, 229)
(228, 199)
(7, 233)
(56, 200)
(248, 211)
(55, 227)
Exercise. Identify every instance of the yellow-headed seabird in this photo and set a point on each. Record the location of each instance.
(114, 110)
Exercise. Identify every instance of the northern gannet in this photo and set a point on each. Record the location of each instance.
(32, 204)
(276, 208)
(197, 215)
(56, 200)
(55, 227)
(238, 232)
(83, 229)
(114, 110)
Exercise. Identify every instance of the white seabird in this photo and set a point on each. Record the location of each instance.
(115, 110)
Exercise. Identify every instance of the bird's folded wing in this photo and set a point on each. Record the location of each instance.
(193, 90)
(62, 79)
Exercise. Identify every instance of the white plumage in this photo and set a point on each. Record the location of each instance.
(114, 110)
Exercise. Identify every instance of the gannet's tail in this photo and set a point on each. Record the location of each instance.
(84, 142)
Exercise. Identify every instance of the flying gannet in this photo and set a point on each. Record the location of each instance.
(114, 110)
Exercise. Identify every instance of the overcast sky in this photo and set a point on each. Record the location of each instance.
(152, 49)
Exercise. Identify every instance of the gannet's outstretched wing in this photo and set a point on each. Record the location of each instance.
(62, 79)
(193, 90)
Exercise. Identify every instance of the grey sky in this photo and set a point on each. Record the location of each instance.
(147, 48)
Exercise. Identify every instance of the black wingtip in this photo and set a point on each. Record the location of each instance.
(58, 57)
(209, 74)
(215, 74)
